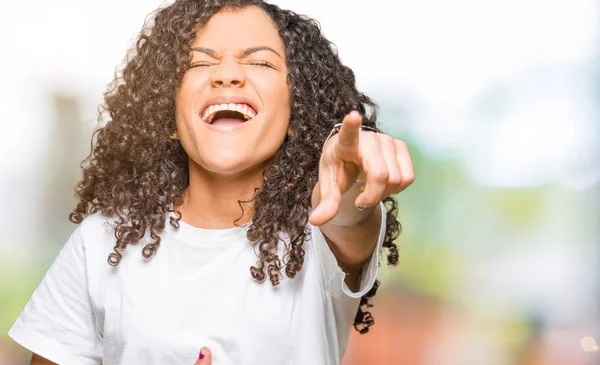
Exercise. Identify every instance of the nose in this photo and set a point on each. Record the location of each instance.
(228, 73)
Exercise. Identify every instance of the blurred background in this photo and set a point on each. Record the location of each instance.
(499, 101)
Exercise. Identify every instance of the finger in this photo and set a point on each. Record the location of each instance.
(390, 155)
(376, 171)
(205, 357)
(406, 164)
(330, 198)
(348, 135)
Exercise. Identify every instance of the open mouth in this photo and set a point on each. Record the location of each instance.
(218, 113)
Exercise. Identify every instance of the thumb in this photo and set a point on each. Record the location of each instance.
(329, 199)
(204, 357)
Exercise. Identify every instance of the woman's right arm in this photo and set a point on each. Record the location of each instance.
(58, 322)
(38, 360)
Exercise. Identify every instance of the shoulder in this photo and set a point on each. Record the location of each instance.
(96, 225)
(95, 233)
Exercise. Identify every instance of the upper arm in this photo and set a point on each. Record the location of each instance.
(58, 322)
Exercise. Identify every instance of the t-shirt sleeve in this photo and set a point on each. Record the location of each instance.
(334, 276)
(58, 321)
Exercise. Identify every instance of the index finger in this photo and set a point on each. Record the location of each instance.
(348, 136)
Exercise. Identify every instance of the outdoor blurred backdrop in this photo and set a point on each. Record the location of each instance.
(499, 101)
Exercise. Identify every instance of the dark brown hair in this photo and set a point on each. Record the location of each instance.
(137, 174)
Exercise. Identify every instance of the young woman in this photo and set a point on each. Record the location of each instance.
(221, 167)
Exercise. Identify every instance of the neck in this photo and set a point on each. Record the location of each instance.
(211, 200)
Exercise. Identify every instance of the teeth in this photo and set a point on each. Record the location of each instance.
(244, 109)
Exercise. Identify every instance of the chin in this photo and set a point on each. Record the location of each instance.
(224, 166)
(234, 156)
(229, 164)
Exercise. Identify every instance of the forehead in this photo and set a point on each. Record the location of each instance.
(237, 29)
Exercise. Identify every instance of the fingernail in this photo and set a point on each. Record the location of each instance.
(362, 207)
(201, 355)
(354, 112)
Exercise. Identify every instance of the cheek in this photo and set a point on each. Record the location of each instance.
(280, 97)
(182, 100)
(186, 99)
(276, 97)
(272, 89)
(190, 89)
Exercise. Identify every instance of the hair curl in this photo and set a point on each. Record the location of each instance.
(137, 174)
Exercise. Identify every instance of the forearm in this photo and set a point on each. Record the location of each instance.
(352, 234)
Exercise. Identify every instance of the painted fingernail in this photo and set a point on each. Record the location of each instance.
(362, 207)
(201, 355)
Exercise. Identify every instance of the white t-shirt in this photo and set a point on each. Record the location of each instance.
(195, 291)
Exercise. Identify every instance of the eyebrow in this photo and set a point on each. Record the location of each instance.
(245, 53)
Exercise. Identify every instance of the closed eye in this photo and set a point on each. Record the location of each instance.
(262, 64)
(200, 64)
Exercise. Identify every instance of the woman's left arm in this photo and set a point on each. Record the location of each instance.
(357, 170)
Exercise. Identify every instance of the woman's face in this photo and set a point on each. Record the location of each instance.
(233, 106)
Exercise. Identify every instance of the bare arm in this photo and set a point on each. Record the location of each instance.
(352, 234)
(349, 216)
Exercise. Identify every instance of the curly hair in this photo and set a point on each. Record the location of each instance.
(137, 174)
